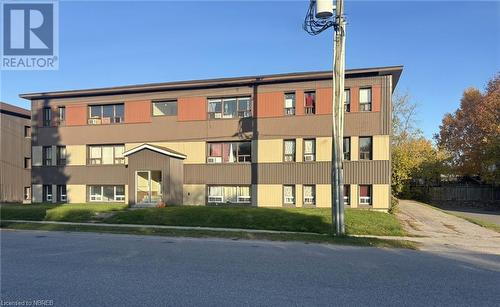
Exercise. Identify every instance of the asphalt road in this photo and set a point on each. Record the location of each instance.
(85, 269)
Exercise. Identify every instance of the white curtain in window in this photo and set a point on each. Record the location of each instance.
(230, 194)
(309, 146)
(289, 147)
(288, 191)
(95, 152)
(215, 191)
(231, 154)
(365, 95)
(119, 151)
(308, 191)
(289, 102)
(107, 155)
(244, 191)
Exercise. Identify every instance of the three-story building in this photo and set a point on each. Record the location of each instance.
(256, 141)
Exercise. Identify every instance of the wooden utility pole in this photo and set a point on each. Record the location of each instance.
(338, 120)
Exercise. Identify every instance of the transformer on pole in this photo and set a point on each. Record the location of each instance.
(319, 17)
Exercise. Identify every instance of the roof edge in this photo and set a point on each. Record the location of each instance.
(395, 71)
(162, 150)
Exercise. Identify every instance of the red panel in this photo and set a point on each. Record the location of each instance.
(299, 102)
(354, 99)
(324, 101)
(376, 93)
(76, 115)
(271, 104)
(192, 108)
(138, 111)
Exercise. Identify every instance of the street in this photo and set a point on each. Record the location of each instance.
(87, 269)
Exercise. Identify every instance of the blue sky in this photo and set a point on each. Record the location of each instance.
(444, 46)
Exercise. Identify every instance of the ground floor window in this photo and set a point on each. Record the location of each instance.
(309, 194)
(47, 193)
(289, 194)
(61, 193)
(347, 194)
(27, 193)
(365, 194)
(106, 193)
(229, 194)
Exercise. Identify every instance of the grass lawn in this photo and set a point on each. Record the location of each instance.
(67, 213)
(358, 222)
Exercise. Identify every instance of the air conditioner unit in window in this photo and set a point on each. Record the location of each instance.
(63, 198)
(106, 120)
(308, 157)
(218, 115)
(308, 200)
(365, 200)
(215, 199)
(289, 200)
(214, 160)
(94, 121)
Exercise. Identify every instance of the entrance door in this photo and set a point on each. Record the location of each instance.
(148, 187)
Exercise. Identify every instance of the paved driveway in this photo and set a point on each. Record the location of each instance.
(439, 231)
(87, 269)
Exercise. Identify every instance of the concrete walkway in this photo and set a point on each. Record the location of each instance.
(439, 231)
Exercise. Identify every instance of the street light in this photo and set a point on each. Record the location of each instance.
(320, 17)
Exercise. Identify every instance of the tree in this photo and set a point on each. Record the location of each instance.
(472, 133)
(404, 119)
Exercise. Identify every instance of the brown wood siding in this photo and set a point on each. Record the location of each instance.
(270, 104)
(358, 172)
(217, 173)
(192, 108)
(14, 147)
(376, 97)
(80, 174)
(138, 111)
(76, 115)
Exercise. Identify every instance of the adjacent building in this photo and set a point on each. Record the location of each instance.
(254, 141)
(15, 154)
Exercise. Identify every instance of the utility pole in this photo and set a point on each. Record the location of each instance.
(320, 17)
(338, 120)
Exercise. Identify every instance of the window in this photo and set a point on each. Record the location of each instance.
(27, 193)
(27, 131)
(309, 194)
(365, 195)
(229, 152)
(47, 117)
(47, 155)
(347, 193)
(365, 147)
(347, 148)
(47, 193)
(61, 155)
(106, 114)
(106, 154)
(61, 193)
(289, 103)
(164, 108)
(347, 100)
(289, 194)
(289, 151)
(27, 163)
(309, 150)
(365, 99)
(61, 115)
(106, 193)
(229, 194)
(229, 107)
(310, 102)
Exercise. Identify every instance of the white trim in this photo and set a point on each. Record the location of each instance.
(153, 148)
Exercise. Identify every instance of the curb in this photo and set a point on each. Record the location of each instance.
(166, 227)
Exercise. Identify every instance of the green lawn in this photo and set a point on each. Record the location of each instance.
(67, 213)
(359, 222)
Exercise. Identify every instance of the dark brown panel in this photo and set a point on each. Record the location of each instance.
(103, 174)
(355, 172)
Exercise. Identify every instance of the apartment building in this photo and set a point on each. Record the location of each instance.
(255, 141)
(15, 154)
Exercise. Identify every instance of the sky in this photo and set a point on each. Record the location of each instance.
(445, 47)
